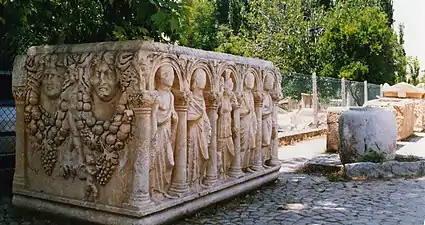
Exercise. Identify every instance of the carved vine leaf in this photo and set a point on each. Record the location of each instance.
(142, 99)
(213, 98)
(182, 97)
(19, 93)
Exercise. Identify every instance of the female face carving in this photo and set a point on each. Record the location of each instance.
(52, 84)
(105, 82)
(228, 85)
(166, 76)
(268, 82)
(249, 81)
(199, 79)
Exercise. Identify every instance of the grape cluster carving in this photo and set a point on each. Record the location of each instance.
(48, 131)
(104, 137)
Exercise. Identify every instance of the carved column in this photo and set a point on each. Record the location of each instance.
(258, 161)
(179, 183)
(142, 106)
(19, 176)
(235, 168)
(212, 105)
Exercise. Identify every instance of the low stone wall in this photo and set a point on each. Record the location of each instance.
(404, 109)
(289, 139)
(332, 135)
(138, 132)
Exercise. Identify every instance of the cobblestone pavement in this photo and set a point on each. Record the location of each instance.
(294, 199)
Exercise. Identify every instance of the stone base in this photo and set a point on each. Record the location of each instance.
(159, 214)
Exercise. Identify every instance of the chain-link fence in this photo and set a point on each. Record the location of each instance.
(7, 121)
(297, 111)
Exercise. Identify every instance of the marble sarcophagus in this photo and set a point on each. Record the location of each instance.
(139, 132)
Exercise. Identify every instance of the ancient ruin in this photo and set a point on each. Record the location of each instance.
(138, 132)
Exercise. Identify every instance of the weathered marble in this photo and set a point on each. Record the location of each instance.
(138, 132)
(367, 134)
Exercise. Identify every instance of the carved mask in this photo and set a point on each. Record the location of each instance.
(249, 81)
(52, 83)
(105, 82)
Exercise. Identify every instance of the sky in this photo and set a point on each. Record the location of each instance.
(412, 14)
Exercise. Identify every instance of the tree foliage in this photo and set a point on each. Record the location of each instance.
(358, 44)
(335, 38)
(33, 22)
(414, 70)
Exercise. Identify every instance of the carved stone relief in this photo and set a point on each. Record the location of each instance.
(226, 148)
(267, 111)
(248, 126)
(127, 129)
(164, 122)
(95, 125)
(199, 130)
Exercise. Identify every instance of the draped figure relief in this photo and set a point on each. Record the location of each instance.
(267, 117)
(248, 126)
(226, 148)
(164, 123)
(199, 130)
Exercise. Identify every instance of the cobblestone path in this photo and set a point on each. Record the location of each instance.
(294, 199)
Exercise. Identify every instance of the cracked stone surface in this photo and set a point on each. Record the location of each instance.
(292, 199)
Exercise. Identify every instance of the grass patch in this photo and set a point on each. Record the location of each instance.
(373, 156)
(337, 176)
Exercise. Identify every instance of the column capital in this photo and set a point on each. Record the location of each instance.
(19, 93)
(143, 99)
(258, 98)
(181, 98)
(212, 99)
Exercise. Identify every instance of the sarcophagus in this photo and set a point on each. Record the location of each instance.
(138, 132)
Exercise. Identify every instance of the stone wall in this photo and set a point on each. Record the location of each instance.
(404, 110)
(138, 132)
(332, 135)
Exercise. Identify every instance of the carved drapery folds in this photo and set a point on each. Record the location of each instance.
(153, 125)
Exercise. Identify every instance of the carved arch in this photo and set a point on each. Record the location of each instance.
(235, 74)
(212, 81)
(258, 82)
(272, 73)
(158, 60)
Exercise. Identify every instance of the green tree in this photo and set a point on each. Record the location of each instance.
(414, 69)
(199, 25)
(401, 59)
(34, 22)
(357, 44)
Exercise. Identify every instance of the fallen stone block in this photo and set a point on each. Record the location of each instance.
(323, 164)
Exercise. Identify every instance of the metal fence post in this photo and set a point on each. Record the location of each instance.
(343, 97)
(381, 92)
(315, 100)
(365, 92)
